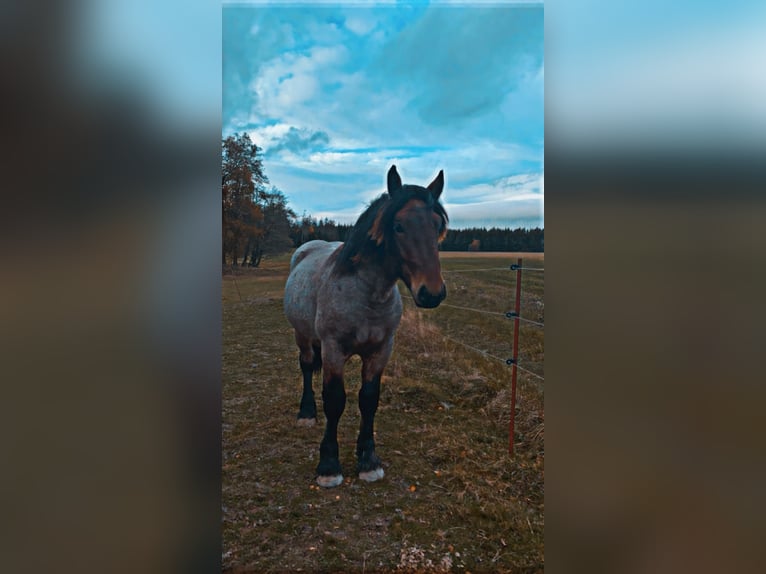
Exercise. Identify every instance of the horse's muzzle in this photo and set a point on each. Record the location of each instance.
(428, 300)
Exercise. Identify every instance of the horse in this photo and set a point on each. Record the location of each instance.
(342, 300)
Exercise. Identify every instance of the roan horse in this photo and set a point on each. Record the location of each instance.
(342, 300)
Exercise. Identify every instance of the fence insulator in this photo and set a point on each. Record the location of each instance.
(516, 267)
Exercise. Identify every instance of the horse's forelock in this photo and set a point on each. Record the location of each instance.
(374, 226)
(377, 231)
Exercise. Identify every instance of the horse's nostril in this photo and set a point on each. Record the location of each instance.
(426, 299)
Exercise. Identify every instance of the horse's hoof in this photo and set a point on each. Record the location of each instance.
(329, 481)
(306, 422)
(372, 475)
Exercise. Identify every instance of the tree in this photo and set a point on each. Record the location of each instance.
(242, 180)
(273, 235)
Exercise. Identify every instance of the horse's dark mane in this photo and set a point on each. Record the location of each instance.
(360, 244)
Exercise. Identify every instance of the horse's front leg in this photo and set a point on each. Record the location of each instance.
(369, 465)
(329, 471)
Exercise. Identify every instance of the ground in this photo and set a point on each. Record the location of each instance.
(453, 499)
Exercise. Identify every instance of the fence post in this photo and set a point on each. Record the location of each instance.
(515, 355)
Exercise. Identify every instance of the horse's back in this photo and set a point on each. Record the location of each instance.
(306, 270)
(317, 247)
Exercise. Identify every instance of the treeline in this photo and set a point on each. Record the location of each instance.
(309, 228)
(494, 239)
(472, 239)
(257, 222)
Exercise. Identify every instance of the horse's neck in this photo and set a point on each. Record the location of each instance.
(377, 284)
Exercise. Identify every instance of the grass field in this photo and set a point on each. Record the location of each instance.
(452, 498)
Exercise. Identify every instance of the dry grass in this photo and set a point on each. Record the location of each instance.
(452, 498)
(510, 256)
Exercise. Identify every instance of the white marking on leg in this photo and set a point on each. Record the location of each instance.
(306, 422)
(372, 475)
(329, 481)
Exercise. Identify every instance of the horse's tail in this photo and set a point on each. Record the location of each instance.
(317, 364)
(297, 257)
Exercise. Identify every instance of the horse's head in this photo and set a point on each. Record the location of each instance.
(417, 223)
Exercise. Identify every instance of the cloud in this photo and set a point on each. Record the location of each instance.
(268, 136)
(345, 181)
(470, 64)
(250, 39)
(512, 188)
(335, 96)
(496, 214)
(511, 201)
(342, 194)
(467, 61)
(359, 25)
(296, 140)
(354, 3)
(291, 80)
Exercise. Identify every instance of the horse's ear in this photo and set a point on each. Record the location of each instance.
(394, 181)
(437, 185)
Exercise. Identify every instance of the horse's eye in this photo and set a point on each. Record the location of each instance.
(398, 228)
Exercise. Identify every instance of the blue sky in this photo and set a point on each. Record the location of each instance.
(337, 92)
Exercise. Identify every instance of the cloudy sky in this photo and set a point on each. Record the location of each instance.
(337, 92)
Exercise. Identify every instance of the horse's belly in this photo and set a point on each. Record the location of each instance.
(308, 271)
(299, 297)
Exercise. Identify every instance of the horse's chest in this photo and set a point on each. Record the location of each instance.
(363, 338)
(357, 330)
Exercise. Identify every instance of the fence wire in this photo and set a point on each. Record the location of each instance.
(472, 270)
(530, 372)
(491, 356)
(466, 345)
(471, 309)
(481, 351)
(492, 313)
(529, 321)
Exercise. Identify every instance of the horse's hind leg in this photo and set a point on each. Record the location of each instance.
(310, 361)
(369, 465)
